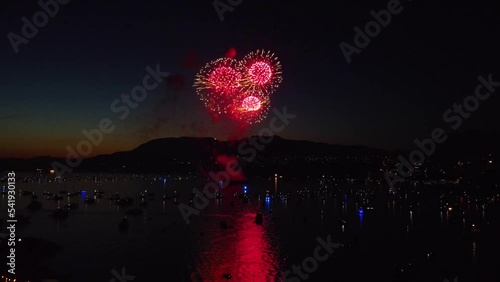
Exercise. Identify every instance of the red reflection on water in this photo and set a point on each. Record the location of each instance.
(231, 165)
(244, 251)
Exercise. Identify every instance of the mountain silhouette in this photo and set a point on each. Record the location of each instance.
(187, 154)
(183, 153)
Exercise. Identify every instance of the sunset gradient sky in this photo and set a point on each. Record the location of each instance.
(65, 79)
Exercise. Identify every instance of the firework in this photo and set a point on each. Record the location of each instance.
(251, 103)
(217, 83)
(219, 76)
(250, 107)
(260, 70)
(239, 91)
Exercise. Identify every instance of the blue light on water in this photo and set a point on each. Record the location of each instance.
(83, 194)
(345, 199)
(360, 217)
(164, 181)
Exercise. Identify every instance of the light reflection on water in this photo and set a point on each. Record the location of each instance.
(244, 251)
(202, 250)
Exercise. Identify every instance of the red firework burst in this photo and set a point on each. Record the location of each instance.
(239, 91)
(216, 84)
(250, 107)
(225, 79)
(251, 103)
(260, 73)
(261, 70)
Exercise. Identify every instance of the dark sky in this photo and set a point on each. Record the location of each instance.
(66, 77)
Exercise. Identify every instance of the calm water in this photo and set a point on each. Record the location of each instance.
(390, 242)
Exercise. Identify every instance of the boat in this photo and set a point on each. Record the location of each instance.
(149, 194)
(124, 202)
(57, 197)
(259, 219)
(98, 193)
(71, 206)
(114, 197)
(74, 194)
(34, 205)
(223, 225)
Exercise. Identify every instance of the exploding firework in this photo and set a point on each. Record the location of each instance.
(251, 103)
(217, 83)
(241, 90)
(260, 70)
(250, 107)
(220, 76)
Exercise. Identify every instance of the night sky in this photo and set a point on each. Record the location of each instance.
(397, 89)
